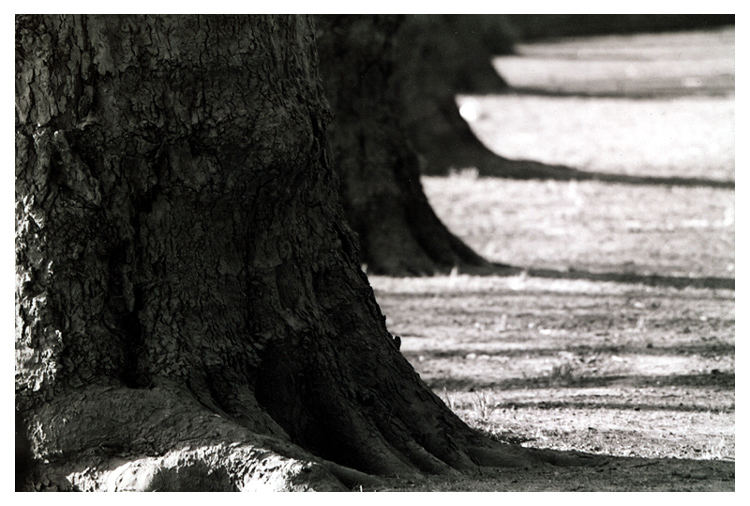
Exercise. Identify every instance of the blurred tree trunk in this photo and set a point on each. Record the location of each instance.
(190, 309)
(439, 57)
(383, 197)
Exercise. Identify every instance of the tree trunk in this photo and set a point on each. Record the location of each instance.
(383, 198)
(439, 57)
(190, 309)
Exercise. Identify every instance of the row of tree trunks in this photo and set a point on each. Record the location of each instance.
(190, 308)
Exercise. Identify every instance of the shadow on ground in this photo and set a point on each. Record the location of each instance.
(489, 164)
(500, 269)
(605, 474)
(651, 280)
(655, 91)
(716, 379)
(708, 349)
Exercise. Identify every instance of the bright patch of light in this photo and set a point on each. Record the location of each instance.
(469, 110)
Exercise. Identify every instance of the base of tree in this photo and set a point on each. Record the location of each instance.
(412, 241)
(190, 309)
(162, 439)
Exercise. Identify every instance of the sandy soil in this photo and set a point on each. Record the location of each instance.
(565, 354)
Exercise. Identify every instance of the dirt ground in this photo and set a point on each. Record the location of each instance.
(615, 335)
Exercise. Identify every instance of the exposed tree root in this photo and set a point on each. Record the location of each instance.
(161, 439)
(191, 313)
(114, 438)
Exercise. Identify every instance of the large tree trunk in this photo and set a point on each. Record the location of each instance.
(190, 308)
(398, 230)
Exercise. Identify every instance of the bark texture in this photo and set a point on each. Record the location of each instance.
(398, 230)
(190, 308)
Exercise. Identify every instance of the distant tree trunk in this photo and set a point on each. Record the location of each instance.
(190, 309)
(383, 197)
(439, 57)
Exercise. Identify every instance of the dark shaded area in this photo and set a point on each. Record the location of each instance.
(500, 269)
(707, 349)
(489, 164)
(605, 473)
(643, 91)
(539, 26)
(617, 277)
(631, 406)
(721, 380)
(546, 294)
(595, 320)
(194, 477)
(399, 233)
(23, 459)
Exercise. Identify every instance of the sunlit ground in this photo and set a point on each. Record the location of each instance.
(591, 226)
(667, 107)
(688, 137)
(639, 369)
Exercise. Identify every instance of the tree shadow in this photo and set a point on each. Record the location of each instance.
(593, 405)
(650, 279)
(658, 280)
(490, 164)
(717, 379)
(645, 91)
(543, 293)
(707, 349)
(601, 473)
(576, 471)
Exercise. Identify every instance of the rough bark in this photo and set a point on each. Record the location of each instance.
(398, 230)
(190, 308)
